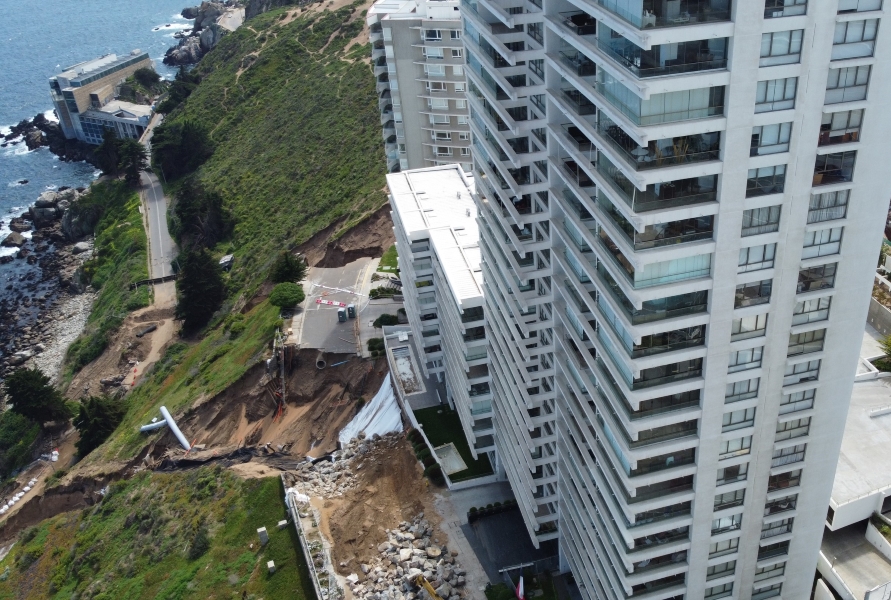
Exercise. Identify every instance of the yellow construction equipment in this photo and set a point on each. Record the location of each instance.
(421, 581)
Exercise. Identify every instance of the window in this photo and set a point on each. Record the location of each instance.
(770, 139)
(841, 127)
(775, 528)
(534, 30)
(822, 243)
(537, 67)
(847, 85)
(770, 591)
(792, 429)
(854, 39)
(750, 294)
(438, 103)
(738, 419)
(401, 148)
(432, 35)
(463, 135)
(436, 86)
(736, 447)
(782, 481)
(816, 278)
(462, 119)
(787, 456)
(433, 53)
(801, 372)
(775, 94)
(797, 401)
(849, 6)
(772, 550)
(828, 206)
(722, 548)
(733, 474)
(756, 258)
(722, 570)
(743, 360)
(834, 168)
(458, 70)
(730, 499)
(465, 151)
(434, 70)
(455, 34)
(784, 8)
(781, 47)
(439, 119)
(741, 390)
(719, 591)
(780, 505)
(766, 180)
(442, 136)
(761, 220)
(443, 151)
(748, 327)
(457, 53)
(459, 87)
(725, 524)
(460, 103)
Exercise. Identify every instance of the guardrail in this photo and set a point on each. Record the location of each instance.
(136, 284)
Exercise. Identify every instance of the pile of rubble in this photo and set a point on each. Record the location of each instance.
(408, 553)
(331, 478)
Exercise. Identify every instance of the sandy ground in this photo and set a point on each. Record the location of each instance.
(73, 314)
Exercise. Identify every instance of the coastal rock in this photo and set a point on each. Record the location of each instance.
(35, 139)
(80, 247)
(187, 52)
(20, 357)
(19, 225)
(210, 36)
(207, 14)
(190, 12)
(13, 240)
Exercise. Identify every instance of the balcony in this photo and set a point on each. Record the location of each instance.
(579, 22)
(664, 234)
(575, 173)
(664, 434)
(655, 310)
(661, 153)
(780, 505)
(670, 373)
(662, 60)
(578, 63)
(659, 490)
(659, 273)
(773, 550)
(656, 13)
(834, 168)
(668, 107)
(659, 196)
(660, 463)
(578, 102)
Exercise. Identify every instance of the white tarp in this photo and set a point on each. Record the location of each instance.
(380, 416)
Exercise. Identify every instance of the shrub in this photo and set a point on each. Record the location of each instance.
(200, 544)
(434, 473)
(489, 505)
(286, 295)
(375, 344)
(428, 461)
(497, 504)
(33, 396)
(97, 418)
(423, 453)
(386, 320)
(472, 509)
(146, 77)
(287, 267)
(200, 287)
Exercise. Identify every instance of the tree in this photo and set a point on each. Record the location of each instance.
(200, 288)
(200, 218)
(181, 88)
(146, 77)
(97, 418)
(180, 147)
(286, 295)
(133, 159)
(287, 267)
(32, 396)
(107, 155)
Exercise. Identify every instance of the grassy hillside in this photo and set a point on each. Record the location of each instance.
(166, 536)
(296, 129)
(119, 259)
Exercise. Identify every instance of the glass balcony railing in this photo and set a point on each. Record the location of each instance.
(578, 102)
(580, 22)
(578, 63)
(661, 153)
(658, 196)
(664, 234)
(654, 13)
(661, 60)
(655, 310)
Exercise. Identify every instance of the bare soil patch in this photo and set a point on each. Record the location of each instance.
(370, 238)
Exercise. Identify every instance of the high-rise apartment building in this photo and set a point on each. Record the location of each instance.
(680, 204)
(435, 222)
(418, 61)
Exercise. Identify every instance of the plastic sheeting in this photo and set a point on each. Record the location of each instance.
(298, 497)
(380, 416)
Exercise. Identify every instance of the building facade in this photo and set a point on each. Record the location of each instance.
(84, 98)
(434, 218)
(680, 203)
(418, 61)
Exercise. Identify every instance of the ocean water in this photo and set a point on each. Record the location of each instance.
(38, 39)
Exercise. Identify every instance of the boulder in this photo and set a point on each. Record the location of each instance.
(20, 357)
(80, 247)
(190, 12)
(210, 36)
(46, 200)
(13, 240)
(19, 224)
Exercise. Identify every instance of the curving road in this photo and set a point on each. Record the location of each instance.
(162, 250)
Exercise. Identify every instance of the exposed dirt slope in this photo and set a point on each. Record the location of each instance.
(372, 237)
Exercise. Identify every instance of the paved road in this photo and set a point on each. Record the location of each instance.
(162, 250)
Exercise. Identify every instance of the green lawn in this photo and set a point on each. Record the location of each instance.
(442, 426)
(389, 261)
(140, 542)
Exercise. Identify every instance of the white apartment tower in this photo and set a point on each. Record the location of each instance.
(680, 206)
(418, 61)
(435, 222)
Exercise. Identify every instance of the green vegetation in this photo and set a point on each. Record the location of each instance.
(146, 77)
(200, 287)
(32, 396)
(385, 320)
(180, 148)
(376, 347)
(287, 267)
(17, 437)
(171, 536)
(389, 261)
(381, 292)
(97, 418)
(119, 259)
(442, 426)
(182, 87)
(295, 129)
(287, 295)
(121, 156)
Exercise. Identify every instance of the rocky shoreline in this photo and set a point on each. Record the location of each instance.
(205, 34)
(46, 307)
(40, 131)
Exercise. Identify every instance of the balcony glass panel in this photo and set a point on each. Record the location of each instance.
(579, 22)
(667, 461)
(578, 101)
(657, 196)
(656, 310)
(657, 490)
(664, 59)
(663, 234)
(784, 8)
(645, 14)
(661, 153)
(578, 63)
(661, 108)
(660, 273)
(663, 374)
(834, 168)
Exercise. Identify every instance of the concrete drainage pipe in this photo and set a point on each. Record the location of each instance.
(321, 363)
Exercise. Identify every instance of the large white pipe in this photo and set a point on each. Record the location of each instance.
(153, 426)
(173, 427)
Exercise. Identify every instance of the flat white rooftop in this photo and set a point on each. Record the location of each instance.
(126, 110)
